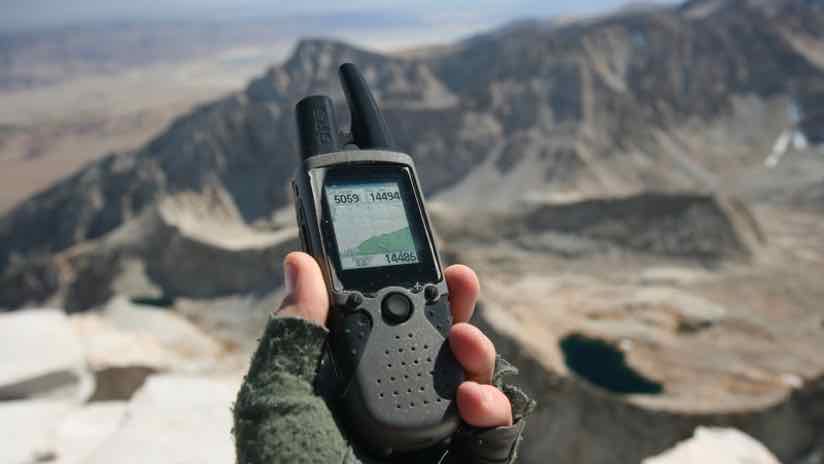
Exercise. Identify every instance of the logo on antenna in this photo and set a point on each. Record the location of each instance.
(323, 128)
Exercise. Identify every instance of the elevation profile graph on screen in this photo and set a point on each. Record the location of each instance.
(370, 225)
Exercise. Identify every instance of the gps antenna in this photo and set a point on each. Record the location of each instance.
(369, 129)
(317, 126)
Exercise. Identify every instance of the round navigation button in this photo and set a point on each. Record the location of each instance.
(396, 308)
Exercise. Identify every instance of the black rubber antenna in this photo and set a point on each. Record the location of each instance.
(317, 126)
(369, 129)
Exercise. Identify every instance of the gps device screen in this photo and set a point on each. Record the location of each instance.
(375, 230)
(371, 224)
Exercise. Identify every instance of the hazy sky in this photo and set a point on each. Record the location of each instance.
(15, 14)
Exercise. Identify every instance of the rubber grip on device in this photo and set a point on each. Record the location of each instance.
(399, 380)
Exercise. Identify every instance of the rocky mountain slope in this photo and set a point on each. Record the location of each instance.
(667, 100)
(605, 177)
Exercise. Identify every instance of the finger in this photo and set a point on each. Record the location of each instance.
(474, 351)
(483, 405)
(463, 291)
(307, 297)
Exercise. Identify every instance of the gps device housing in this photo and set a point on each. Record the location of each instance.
(361, 214)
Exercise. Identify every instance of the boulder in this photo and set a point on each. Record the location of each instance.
(727, 446)
(174, 419)
(41, 357)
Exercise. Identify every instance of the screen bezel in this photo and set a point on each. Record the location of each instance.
(374, 278)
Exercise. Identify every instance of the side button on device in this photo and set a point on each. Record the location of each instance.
(354, 300)
(431, 293)
(396, 308)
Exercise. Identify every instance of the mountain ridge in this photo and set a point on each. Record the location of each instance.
(615, 105)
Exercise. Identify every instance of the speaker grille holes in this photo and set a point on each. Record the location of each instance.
(404, 387)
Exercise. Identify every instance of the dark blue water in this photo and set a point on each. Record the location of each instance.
(605, 366)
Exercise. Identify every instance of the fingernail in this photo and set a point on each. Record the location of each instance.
(290, 274)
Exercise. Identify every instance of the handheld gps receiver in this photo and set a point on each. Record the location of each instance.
(361, 215)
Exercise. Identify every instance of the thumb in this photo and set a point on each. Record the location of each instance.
(306, 291)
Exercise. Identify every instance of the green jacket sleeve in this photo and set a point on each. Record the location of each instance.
(280, 415)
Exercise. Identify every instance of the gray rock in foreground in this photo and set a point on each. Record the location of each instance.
(727, 446)
(84, 429)
(28, 430)
(126, 334)
(126, 343)
(174, 419)
(40, 356)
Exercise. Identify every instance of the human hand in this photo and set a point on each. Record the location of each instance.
(479, 403)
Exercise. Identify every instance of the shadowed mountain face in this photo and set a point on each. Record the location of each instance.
(666, 100)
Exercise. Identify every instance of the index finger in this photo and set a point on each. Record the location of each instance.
(463, 291)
